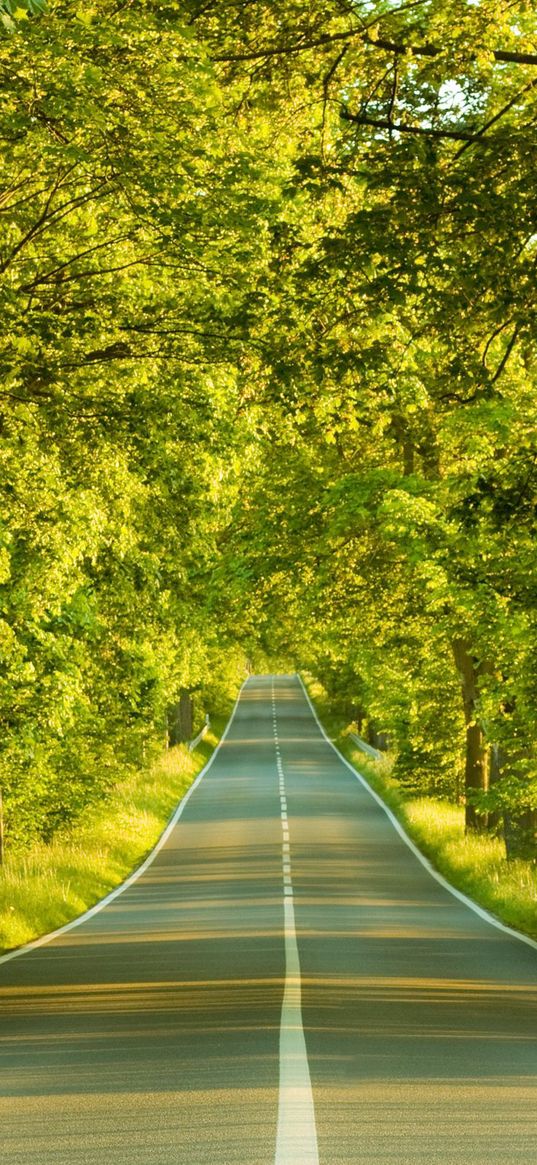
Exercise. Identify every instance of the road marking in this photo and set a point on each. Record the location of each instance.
(296, 1138)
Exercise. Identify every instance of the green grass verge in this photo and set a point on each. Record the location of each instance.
(43, 887)
(476, 865)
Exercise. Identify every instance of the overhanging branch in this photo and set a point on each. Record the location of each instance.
(390, 46)
(430, 50)
(403, 127)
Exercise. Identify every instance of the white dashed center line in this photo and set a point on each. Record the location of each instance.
(296, 1139)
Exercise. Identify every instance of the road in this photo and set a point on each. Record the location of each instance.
(284, 983)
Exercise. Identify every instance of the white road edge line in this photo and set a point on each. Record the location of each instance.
(484, 914)
(47, 938)
(296, 1137)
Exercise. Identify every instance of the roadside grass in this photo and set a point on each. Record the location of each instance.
(473, 864)
(43, 887)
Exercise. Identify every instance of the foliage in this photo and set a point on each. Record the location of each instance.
(395, 506)
(268, 380)
(129, 208)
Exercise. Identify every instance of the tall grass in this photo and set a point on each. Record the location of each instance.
(49, 884)
(473, 863)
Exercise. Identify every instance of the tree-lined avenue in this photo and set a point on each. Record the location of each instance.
(150, 1034)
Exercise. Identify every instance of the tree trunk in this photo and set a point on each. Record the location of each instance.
(405, 445)
(496, 761)
(181, 718)
(359, 715)
(372, 736)
(520, 834)
(475, 775)
(408, 457)
(520, 821)
(475, 769)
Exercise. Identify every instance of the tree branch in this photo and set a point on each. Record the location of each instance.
(390, 46)
(402, 127)
(505, 356)
(393, 94)
(302, 46)
(37, 224)
(90, 273)
(327, 79)
(497, 332)
(53, 274)
(501, 113)
(49, 217)
(429, 50)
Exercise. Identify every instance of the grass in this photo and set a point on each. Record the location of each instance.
(50, 884)
(474, 864)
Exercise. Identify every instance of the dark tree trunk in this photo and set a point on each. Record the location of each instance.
(372, 736)
(181, 718)
(520, 833)
(405, 445)
(475, 775)
(496, 761)
(475, 769)
(359, 715)
(519, 822)
(376, 739)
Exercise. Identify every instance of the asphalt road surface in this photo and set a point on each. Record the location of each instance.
(285, 983)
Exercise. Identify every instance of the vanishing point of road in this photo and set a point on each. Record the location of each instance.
(283, 984)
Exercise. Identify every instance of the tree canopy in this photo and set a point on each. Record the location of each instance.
(268, 290)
